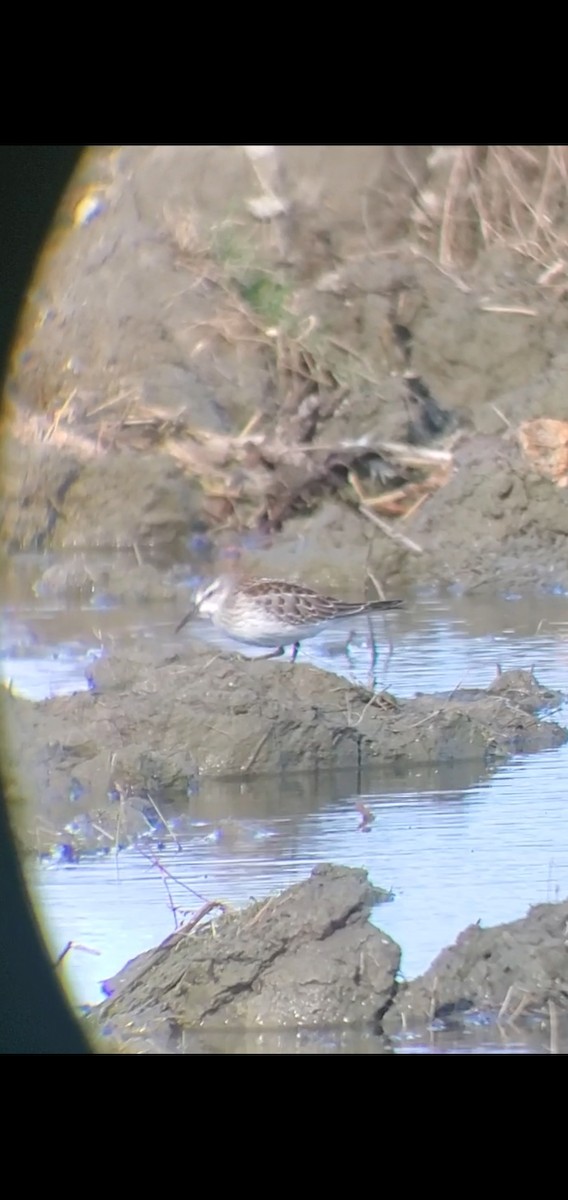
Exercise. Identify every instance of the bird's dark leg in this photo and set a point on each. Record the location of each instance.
(275, 653)
(272, 654)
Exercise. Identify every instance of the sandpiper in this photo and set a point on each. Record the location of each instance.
(273, 612)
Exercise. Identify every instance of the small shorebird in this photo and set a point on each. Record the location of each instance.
(272, 612)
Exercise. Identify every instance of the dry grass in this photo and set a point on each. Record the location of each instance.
(514, 196)
(259, 303)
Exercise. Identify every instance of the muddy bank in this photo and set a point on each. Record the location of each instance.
(309, 957)
(168, 321)
(495, 525)
(158, 726)
(67, 497)
(309, 960)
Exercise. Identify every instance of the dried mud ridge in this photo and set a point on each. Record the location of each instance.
(160, 727)
(310, 958)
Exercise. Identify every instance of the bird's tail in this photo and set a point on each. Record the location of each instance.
(374, 604)
(347, 609)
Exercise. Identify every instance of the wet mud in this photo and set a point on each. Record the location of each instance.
(310, 959)
(508, 971)
(150, 726)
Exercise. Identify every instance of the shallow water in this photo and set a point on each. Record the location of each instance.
(454, 844)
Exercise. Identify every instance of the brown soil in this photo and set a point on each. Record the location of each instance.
(172, 318)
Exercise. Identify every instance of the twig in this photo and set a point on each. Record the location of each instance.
(164, 822)
(413, 456)
(370, 378)
(454, 187)
(373, 662)
(117, 837)
(250, 425)
(405, 454)
(252, 757)
(389, 654)
(210, 661)
(551, 273)
(390, 533)
(503, 308)
(207, 907)
(523, 1002)
(354, 481)
(127, 394)
(55, 423)
(173, 907)
(74, 946)
(431, 717)
(261, 912)
(553, 1014)
(502, 416)
(353, 724)
(155, 862)
(433, 996)
(99, 828)
(455, 690)
(376, 585)
(414, 507)
(455, 279)
(506, 1002)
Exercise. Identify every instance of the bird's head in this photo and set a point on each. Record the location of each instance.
(208, 599)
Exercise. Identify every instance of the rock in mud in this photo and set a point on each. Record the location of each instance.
(308, 957)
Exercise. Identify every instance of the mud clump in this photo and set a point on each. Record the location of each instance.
(155, 725)
(506, 970)
(310, 960)
(308, 957)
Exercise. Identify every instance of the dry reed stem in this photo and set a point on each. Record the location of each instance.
(506, 195)
(393, 534)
